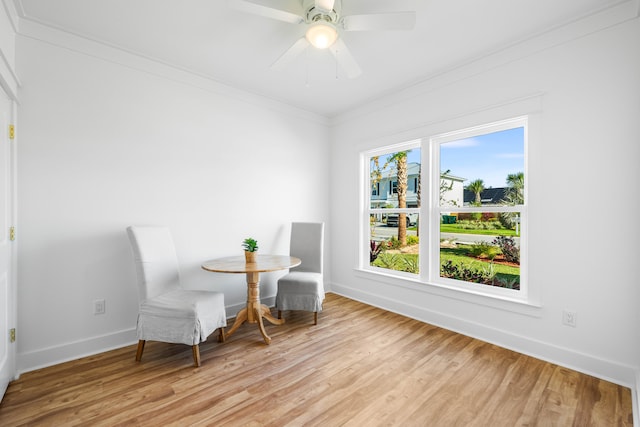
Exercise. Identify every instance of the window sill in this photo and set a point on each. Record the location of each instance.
(527, 307)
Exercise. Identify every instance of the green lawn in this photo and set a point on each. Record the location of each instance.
(398, 262)
(455, 228)
(409, 263)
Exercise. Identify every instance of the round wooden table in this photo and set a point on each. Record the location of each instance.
(255, 310)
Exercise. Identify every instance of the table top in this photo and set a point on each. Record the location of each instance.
(263, 264)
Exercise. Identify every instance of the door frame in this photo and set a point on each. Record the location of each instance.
(8, 370)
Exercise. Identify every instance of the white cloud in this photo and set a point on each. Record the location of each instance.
(461, 143)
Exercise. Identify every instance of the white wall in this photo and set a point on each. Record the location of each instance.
(583, 82)
(105, 143)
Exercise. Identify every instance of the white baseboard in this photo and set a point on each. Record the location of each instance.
(50, 356)
(590, 365)
(42, 358)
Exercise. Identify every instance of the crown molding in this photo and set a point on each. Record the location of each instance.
(602, 19)
(32, 29)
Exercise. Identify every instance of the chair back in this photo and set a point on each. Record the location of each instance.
(156, 260)
(307, 243)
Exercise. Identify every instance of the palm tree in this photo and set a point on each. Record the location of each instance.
(476, 187)
(515, 190)
(400, 160)
(376, 174)
(514, 195)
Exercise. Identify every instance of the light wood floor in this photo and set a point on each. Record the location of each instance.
(360, 366)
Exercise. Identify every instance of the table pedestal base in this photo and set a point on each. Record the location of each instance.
(254, 311)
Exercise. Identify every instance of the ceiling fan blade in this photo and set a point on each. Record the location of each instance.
(296, 49)
(326, 5)
(380, 21)
(292, 14)
(345, 59)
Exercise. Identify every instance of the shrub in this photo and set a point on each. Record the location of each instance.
(493, 224)
(387, 260)
(509, 248)
(477, 249)
(483, 248)
(393, 243)
(509, 220)
(508, 283)
(466, 273)
(489, 216)
(374, 250)
(411, 264)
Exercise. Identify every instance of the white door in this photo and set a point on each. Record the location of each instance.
(7, 247)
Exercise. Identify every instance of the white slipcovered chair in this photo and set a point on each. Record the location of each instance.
(303, 288)
(167, 312)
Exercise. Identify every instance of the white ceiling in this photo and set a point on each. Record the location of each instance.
(211, 39)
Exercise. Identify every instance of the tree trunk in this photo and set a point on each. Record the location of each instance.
(402, 199)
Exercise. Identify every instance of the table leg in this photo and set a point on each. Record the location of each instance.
(254, 311)
(241, 317)
(266, 313)
(266, 337)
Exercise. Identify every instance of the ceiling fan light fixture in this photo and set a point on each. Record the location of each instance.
(321, 34)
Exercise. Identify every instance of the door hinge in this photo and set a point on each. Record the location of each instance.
(12, 335)
(12, 233)
(12, 131)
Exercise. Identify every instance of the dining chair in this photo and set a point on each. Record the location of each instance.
(303, 288)
(168, 312)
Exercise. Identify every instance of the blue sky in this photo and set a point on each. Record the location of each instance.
(490, 157)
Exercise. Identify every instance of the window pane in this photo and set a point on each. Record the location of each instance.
(483, 170)
(385, 249)
(394, 180)
(394, 184)
(481, 247)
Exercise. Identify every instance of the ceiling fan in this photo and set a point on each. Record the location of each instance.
(324, 23)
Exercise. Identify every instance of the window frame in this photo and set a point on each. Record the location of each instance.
(429, 213)
(368, 210)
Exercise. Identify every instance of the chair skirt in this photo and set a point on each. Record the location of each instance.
(181, 316)
(300, 291)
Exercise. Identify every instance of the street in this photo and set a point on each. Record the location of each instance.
(382, 232)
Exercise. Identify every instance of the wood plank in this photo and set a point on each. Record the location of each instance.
(359, 366)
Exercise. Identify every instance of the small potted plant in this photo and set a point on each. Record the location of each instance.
(250, 248)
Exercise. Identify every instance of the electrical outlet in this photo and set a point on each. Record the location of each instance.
(98, 306)
(569, 318)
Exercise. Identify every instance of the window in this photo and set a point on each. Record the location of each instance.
(472, 233)
(394, 216)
